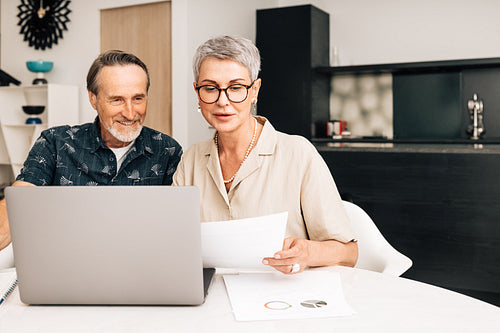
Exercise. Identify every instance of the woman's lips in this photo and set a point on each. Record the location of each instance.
(223, 115)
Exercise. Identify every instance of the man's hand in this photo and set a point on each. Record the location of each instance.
(4, 220)
(4, 226)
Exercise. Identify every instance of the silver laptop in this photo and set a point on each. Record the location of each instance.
(107, 244)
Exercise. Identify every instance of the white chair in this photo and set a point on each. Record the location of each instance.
(6, 257)
(375, 252)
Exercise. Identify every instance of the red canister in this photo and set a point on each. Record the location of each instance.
(335, 127)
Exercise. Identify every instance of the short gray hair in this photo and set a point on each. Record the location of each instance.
(238, 49)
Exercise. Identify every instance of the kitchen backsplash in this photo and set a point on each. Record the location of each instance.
(365, 102)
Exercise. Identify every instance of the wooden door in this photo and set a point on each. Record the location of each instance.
(145, 30)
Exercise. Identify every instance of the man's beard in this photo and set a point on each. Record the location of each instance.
(129, 136)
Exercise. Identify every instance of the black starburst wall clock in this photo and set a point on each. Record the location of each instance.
(43, 21)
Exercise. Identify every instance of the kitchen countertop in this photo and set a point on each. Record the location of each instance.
(393, 147)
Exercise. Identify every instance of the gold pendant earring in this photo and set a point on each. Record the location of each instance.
(253, 109)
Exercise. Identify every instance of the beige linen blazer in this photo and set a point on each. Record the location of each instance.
(282, 173)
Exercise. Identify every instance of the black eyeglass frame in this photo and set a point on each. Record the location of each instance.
(225, 91)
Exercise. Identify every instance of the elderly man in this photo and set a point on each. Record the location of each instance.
(114, 150)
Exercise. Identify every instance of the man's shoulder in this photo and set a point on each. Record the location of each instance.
(158, 138)
(65, 128)
(67, 131)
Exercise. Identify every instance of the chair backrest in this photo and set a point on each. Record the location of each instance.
(375, 252)
(6, 257)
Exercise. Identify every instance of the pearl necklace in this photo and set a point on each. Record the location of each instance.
(249, 149)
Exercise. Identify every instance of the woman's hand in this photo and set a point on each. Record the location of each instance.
(295, 252)
(298, 253)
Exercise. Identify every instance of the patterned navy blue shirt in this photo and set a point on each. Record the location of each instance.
(77, 155)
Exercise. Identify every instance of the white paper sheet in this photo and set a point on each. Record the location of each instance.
(242, 243)
(271, 296)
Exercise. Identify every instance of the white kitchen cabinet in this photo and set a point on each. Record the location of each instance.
(16, 137)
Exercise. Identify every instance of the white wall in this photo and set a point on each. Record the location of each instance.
(72, 55)
(387, 31)
(364, 31)
(206, 19)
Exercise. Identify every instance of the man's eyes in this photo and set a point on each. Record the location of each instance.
(118, 100)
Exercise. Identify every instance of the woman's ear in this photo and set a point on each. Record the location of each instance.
(256, 88)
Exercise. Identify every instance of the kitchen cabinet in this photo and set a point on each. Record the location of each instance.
(438, 204)
(17, 137)
(292, 41)
(430, 99)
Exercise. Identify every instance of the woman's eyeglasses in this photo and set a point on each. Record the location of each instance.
(236, 93)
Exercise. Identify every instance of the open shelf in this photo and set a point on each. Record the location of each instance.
(17, 137)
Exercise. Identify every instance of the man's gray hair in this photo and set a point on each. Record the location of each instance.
(238, 49)
(112, 58)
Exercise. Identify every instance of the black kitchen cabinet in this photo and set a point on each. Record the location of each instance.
(430, 99)
(292, 41)
(439, 206)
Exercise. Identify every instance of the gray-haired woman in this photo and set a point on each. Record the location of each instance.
(249, 169)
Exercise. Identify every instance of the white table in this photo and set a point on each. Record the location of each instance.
(383, 304)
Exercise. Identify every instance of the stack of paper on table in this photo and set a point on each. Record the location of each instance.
(271, 296)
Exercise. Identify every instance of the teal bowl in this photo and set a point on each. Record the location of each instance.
(39, 66)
